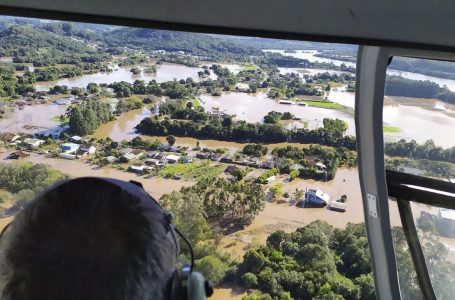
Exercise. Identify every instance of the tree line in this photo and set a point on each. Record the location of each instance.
(399, 86)
(241, 131)
(413, 150)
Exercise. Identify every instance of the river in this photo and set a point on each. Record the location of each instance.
(310, 56)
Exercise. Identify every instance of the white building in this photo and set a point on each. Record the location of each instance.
(446, 221)
(172, 158)
(90, 149)
(33, 142)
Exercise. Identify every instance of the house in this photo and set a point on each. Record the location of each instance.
(138, 152)
(139, 169)
(152, 154)
(125, 151)
(64, 101)
(32, 142)
(321, 166)
(161, 155)
(28, 94)
(186, 159)
(316, 198)
(203, 155)
(164, 147)
(20, 104)
(88, 148)
(9, 137)
(67, 156)
(76, 139)
(18, 154)
(445, 221)
(226, 159)
(215, 156)
(110, 159)
(69, 147)
(172, 158)
(268, 164)
(129, 156)
(295, 167)
(153, 162)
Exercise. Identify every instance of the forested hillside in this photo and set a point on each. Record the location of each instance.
(44, 48)
(195, 43)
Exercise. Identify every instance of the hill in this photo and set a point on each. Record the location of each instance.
(44, 48)
(194, 43)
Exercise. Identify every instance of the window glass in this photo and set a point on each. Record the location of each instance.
(256, 136)
(418, 118)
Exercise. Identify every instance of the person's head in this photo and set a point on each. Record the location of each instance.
(87, 239)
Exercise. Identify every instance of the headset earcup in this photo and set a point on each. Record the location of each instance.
(175, 288)
(196, 287)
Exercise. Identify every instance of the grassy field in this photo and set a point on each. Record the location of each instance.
(249, 67)
(323, 104)
(391, 129)
(208, 171)
(195, 170)
(57, 119)
(196, 103)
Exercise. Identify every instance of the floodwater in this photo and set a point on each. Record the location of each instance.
(311, 72)
(123, 127)
(40, 115)
(415, 122)
(289, 218)
(164, 72)
(420, 124)
(253, 108)
(309, 55)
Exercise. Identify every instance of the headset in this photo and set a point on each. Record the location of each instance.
(185, 283)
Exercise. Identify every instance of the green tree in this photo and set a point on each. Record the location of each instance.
(92, 88)
(212, 268)
(277, 190)
(249, 280)
(170, 140)
(294, 174)
(239, 173)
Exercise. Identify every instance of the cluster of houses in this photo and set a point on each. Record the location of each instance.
(78, 146)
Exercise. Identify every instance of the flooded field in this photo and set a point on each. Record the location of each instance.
(253, 108)
(40, 116)
(164, 72)
(123, 127)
